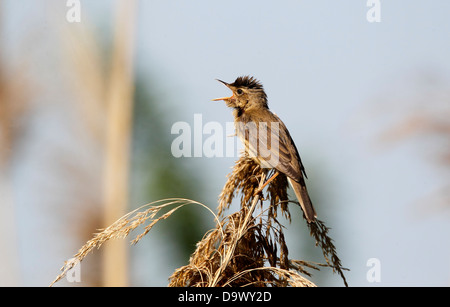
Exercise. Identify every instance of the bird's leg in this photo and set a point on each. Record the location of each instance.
(266, 183)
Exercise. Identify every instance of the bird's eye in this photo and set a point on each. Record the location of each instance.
(239, 91)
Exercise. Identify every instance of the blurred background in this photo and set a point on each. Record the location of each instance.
(87, 102)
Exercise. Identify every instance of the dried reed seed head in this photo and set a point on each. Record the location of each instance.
(236, 252)
(245, 179)
(319, 231)
(129, 222)
(253, 242)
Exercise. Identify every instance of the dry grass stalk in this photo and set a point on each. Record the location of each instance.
(244, 249)
(427, 124)
(253, 250)
(118, 138)
(319, 231)
(125, 225)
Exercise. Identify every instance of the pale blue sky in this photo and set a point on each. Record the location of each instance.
(335, 79)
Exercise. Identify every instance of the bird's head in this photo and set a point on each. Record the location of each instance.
(248, 93)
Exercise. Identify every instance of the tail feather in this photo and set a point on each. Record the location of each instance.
(305, 202)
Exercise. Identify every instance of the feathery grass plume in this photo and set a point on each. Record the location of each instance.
(320, 232)
(245, 179)
(253, 250)
(246, 248)
(125, 225)
(240, 255)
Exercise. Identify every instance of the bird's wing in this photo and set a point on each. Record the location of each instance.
(272, 145)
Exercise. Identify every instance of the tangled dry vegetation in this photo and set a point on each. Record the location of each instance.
(246, 248)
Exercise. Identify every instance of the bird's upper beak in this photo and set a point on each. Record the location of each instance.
(224, 98)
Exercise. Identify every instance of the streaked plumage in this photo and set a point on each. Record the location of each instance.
(266, 137)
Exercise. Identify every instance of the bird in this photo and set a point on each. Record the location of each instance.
(266, 138)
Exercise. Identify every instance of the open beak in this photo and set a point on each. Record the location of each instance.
(223, 98)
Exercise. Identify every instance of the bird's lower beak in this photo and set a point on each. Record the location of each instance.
(223, 98)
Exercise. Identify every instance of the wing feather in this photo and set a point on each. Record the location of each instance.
(272, 145)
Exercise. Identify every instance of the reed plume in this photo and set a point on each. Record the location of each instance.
(246, 248)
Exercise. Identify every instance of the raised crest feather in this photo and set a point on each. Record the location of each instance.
(248, 82)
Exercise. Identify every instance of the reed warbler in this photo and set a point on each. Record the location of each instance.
(266, 138)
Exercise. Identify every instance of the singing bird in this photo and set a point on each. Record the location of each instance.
(266, 138)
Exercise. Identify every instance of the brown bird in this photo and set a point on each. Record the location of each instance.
(266, 138)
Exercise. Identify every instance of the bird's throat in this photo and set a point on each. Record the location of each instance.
(238, 111)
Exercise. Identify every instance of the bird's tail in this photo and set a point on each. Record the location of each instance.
(304, 200)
